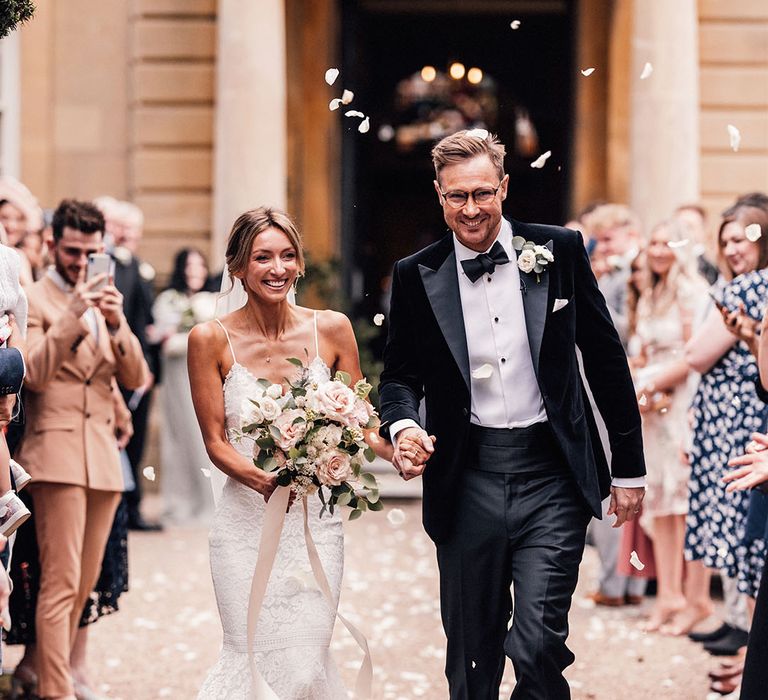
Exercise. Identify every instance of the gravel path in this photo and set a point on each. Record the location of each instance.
(167, 633)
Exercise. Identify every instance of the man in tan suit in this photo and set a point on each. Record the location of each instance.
(78, 342)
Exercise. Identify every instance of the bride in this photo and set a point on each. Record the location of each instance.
(226, 356)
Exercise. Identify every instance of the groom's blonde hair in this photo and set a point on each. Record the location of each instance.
(248, 226)
(467, 144)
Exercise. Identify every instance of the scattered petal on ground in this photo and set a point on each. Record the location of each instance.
(735, 137)
(753, 232)
(539, 162)
(587, 72)
(396, 516)
(330, 75)
(149, 473)
(378, 319)
(483, 371)
(635, 561)
(647, 70)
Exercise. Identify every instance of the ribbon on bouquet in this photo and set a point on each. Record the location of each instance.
(272, 528)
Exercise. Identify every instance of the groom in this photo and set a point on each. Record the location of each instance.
(484, 325)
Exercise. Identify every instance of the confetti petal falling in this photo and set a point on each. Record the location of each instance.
(149, 473)
(515, 24)
(365, 126)
(587, 72)
(396, 516)
(481, 134)
(206, 472)
(330, 75)
(347, 96)
(483, 372)
(678, 244)
(647, 70)
(734, 136)
(635, 561)
(333, 105)
(643, 400)
(353, 113)
(539, 162)
(378, 319)
(753, 232)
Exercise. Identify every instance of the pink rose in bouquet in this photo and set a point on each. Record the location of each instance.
(335, 401)
(291, 432)
(334, 467)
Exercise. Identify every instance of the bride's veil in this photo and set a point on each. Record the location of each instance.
(231, 297)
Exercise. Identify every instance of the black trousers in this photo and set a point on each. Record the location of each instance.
(754, 683)
(520, 522)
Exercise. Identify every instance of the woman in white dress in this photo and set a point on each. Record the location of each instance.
(226, 357)
(186, 491)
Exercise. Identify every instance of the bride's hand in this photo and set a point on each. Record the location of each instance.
(268, 485)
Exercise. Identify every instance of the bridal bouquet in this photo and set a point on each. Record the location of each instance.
(312, 436)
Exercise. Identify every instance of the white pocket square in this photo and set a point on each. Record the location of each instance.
(559, 304)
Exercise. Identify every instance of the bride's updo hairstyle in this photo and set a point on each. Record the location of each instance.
(249, 225)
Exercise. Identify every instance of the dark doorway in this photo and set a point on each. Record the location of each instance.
(389, 205)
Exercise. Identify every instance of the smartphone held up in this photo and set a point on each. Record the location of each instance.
(100, 263)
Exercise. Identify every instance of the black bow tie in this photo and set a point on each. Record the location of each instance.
(485, 262)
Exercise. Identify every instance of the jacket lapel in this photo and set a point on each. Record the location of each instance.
(442, 287)
(535, 305)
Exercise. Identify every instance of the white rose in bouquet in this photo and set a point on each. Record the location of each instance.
(327, 436)
(290, 433)
(526, 260)
(364, 411)
(334, 467)
(335, 401)
(274, 391)
(270, 409)
(251, 412)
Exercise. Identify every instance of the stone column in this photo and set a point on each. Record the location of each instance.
(250, 114)
(665, 108)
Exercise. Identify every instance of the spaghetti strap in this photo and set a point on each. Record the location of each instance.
(317, 341)
(229, 342)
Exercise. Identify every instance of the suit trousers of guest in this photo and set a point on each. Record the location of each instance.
(520, 522)
(73, 525)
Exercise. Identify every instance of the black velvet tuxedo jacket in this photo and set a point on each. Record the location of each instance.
(426, 356)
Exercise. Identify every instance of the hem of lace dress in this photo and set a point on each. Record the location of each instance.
(239, 644)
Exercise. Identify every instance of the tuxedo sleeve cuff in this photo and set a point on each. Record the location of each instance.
(399, 425)
(637, 482)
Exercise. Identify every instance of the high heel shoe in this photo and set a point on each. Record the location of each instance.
(23, 684)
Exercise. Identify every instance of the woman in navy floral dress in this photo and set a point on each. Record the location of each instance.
(726, 408)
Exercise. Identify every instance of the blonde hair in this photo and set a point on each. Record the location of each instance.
(610, 216)
(467, 144)
(249, 225)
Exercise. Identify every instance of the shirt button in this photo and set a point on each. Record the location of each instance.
(496, 319)
(503, 360)
(489, 279)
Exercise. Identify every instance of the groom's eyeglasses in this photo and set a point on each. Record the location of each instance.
(458, 198)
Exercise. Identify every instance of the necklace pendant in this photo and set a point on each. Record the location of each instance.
(269, 359)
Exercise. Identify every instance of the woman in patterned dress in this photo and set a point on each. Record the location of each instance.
(726, 408)
(665, 318)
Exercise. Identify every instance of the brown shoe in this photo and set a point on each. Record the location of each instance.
(634, 599)
(608, 601)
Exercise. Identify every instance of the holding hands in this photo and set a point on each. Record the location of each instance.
(413, 448)
(752, 466)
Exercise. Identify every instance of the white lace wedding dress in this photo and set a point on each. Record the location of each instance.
(295, 625)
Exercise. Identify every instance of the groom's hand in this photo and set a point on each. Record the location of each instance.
(413, 449)
(625, 504)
